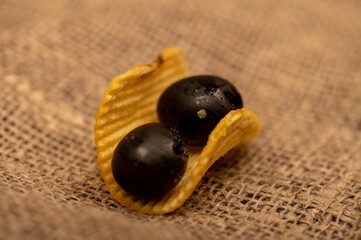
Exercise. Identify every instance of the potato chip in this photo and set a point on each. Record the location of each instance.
(131, 101)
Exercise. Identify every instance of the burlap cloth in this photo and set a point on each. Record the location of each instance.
(297, 65)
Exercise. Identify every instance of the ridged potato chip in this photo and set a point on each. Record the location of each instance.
(131, 101)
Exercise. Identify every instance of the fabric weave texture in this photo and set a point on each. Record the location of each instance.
(296, 63)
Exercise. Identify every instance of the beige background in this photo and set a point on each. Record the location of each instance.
(297, 65)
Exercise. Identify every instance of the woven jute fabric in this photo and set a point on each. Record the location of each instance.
(296, 63)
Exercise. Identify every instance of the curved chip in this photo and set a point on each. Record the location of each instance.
(131, 101)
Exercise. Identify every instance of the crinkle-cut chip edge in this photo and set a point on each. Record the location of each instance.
(136, 73)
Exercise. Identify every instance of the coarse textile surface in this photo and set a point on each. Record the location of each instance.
(296, 63)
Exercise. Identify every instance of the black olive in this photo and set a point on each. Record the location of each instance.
(196, 104)
(150, 160)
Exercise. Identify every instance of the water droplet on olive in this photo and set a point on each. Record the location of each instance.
(180, 104)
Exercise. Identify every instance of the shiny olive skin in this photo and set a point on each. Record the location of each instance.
(195, 105)
(150, 160)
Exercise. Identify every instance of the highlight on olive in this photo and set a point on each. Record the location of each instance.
(195, 105)
(150, 160)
